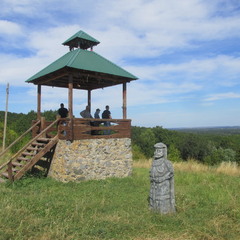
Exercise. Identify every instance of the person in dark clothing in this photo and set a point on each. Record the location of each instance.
(106, 115)
(62, 111)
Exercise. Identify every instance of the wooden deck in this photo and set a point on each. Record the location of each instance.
(80, 128)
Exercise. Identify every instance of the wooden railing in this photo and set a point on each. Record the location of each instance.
(41, 134)
(88, 128)
(94, 128)
(20, 138)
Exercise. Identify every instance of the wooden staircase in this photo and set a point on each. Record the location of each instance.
(27, 157)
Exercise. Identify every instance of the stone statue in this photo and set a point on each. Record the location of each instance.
(162, 182)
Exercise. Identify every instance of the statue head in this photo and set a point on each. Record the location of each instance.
(160, 151)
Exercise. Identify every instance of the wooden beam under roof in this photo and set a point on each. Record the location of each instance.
(85, 80)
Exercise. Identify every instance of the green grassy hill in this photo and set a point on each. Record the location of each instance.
(41, 208)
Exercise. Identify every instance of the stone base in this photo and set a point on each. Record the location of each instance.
(91, 159)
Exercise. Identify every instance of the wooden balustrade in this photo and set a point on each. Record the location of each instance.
(82, 128)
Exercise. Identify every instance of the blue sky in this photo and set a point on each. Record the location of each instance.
(185, 53)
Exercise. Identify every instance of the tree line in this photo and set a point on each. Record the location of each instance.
(210, 148)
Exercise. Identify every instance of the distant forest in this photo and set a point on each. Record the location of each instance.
(207, 145)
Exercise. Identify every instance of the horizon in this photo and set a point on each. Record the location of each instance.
(172, 128)
(186, 55)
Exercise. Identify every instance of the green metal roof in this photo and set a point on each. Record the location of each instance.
(82, 40)
(84, 60)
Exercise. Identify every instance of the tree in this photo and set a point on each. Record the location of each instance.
(174, 154)
(194, 147)
(219, 155)
(148, 140)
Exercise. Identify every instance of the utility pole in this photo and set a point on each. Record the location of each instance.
(5, 119)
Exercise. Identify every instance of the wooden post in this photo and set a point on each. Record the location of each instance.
(70, 107)
(89, 100)
(70, 96)
(124, 100)
(5, 119)
(43, 125)
(39, 102)
(9, 170)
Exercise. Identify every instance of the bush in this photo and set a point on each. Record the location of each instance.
(137, 153)
(174, 154)
(220, 155)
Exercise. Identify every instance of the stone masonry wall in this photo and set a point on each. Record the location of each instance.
(91, 159)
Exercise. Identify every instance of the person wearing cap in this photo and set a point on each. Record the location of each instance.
(106, 115)
(96, 114)
(62, 111)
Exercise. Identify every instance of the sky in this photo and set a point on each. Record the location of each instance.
(186, 55)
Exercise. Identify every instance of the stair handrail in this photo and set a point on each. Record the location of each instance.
(19, 138)
(23, 148)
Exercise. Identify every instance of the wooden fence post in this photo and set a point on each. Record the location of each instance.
(9, 170)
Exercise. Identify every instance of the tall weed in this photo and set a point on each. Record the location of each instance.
(228, 168)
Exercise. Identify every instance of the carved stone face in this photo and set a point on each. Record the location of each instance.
(158, 153)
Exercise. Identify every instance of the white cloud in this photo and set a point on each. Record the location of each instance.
(144, 37)
(16, 70)
(10, 28)
(144, 94)
(222, 96)
(150, 28)
(48, 43)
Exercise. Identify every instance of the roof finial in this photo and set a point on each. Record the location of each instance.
(81, 40)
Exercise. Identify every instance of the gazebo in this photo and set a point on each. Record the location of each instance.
(70, 146)
(83, 69)
(79, 153)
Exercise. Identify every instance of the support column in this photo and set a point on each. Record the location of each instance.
(70, 96)
(70, 108)
(124, 107)
(39, 102)
(89, 100)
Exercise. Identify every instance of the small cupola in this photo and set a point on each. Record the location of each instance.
(81, 40)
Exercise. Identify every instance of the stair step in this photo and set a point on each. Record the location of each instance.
(32, 149)
(17, 164)
(5, 174)
(23, 159)
(35, 152)
(38, 144)
(43, 139)
(28, 154)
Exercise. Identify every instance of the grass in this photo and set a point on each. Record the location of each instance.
(40, 208)
(5, 157)
(227, 168)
